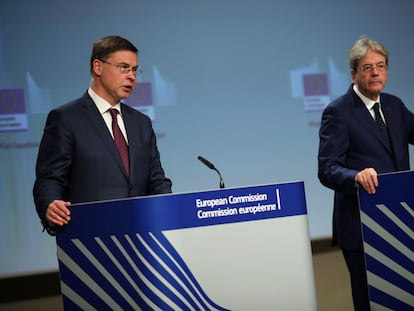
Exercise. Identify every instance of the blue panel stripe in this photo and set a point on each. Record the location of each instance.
(387, 301)
(374, 239)
(390, 275)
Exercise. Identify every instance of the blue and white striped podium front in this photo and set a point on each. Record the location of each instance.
(388, 231)
(231, 249)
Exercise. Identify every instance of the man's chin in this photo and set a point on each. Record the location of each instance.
(124, 95)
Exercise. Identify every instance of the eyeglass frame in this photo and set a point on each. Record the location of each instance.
(381, 67)
(124, 69)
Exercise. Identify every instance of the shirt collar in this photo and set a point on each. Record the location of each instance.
(369, 103)
(102, 105)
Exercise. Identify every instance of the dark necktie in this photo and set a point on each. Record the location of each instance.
(381, 124)
(119, 139)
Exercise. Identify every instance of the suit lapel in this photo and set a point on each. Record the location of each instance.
(365, 118)
(392, 122)
(128, 122)
(93, 115)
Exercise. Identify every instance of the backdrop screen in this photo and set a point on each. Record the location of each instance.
(241, 83)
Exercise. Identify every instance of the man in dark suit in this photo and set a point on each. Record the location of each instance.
(352, 151)
(78, 158)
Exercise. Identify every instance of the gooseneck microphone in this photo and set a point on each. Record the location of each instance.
(211, 166)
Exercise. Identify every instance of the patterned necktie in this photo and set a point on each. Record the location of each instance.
(381, 124)
(119, 139)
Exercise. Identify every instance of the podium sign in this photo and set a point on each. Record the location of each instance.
(388, 232)
(231, 249)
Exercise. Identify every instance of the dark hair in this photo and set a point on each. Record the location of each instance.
(104, 47)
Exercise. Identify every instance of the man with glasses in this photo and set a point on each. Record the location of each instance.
(95, 147)
(363, 133)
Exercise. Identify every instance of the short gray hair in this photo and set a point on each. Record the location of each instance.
(361, 47)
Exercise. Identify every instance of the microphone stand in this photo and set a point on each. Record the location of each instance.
(211, 166)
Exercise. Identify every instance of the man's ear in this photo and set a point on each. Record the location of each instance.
(97, 67)
(353, 73)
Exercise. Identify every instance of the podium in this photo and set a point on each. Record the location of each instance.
(231, 249)
(387, 219)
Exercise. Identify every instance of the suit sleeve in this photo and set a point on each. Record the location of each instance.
(53, 163)
(158, 183)
(409, 120)
(333, 147)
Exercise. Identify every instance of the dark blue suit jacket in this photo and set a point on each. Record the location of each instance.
(350, 141)
(78, 160)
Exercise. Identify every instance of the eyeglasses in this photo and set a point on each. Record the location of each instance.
(124, 69)
(369, 68)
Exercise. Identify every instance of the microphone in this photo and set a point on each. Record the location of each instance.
(211, 166)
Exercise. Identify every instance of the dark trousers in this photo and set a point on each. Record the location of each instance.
(355, 261)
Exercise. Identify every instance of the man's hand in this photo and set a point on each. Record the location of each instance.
(368, 179)
(57, 212)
